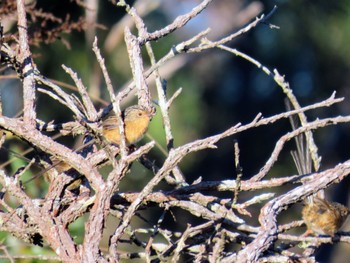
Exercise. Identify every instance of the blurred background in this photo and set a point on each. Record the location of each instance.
(311, 48)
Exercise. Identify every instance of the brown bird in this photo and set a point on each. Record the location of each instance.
(323, 217)
(320, 216)
(136, 120)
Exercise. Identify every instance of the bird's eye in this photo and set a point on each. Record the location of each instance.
(139, 114)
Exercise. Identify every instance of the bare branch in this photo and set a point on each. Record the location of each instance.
(27, 67)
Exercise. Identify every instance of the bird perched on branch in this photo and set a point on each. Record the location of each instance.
(136, 121)
(320, 216)
(323, 217)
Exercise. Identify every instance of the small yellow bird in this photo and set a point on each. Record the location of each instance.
(136, 121)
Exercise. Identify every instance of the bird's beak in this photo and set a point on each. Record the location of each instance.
(152, 112)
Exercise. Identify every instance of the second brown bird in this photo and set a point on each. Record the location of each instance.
(323, 217)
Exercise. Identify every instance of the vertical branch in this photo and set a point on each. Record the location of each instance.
(101, 62)
(114, 99)
(94, 227)
(27, 67)
(89, 108)
(134, 50)
(239, 172)
(303, 119)
(164, 107)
